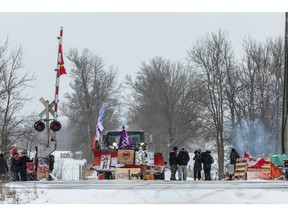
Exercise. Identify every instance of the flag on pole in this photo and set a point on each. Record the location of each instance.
(62, 69)
(99, 126)
(246, 155)
(124, 142)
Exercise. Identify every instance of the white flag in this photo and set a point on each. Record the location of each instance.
(99, 126)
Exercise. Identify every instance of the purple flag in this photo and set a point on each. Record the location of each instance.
(124, 142)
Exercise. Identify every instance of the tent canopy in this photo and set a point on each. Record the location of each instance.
(278, 159)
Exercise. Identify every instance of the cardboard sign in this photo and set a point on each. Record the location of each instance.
(150, 156)
(114, 161)
(126, 156)
(43, 161)
(105, 162)
(43, 172)
(30, 167)
(43, 168)
(123, 173)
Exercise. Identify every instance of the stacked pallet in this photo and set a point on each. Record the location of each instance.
(241, 168)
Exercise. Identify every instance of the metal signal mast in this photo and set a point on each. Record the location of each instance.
(54, 126)
(285, 95)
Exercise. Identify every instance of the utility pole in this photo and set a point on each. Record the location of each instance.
(285, 93)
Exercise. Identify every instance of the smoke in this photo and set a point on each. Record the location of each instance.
(253, 138)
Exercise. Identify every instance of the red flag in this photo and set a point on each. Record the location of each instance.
(62, 69)
(257, 163)
(246, 155)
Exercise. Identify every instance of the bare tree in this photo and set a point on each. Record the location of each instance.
(13, 82)
(165, 102)
(92, 87)
(276, 67)
(259, 101)
(213, 57)
(29, 138)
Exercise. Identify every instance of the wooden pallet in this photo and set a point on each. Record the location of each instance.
(241, 168)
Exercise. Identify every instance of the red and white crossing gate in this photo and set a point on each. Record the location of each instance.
(51, 125)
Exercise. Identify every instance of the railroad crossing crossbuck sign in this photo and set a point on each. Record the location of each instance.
(46, 104)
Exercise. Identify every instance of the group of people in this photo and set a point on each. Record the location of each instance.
(179, 162)
(18, 166)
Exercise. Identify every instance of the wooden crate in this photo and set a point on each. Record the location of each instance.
(260, 173)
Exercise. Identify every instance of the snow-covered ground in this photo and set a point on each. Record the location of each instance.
(190, 193)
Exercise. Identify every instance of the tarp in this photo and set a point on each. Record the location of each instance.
(275, 171)
(278, 159)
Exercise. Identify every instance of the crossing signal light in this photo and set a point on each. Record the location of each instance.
(39, 126)
(55, 126)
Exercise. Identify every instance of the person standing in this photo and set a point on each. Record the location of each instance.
(182, 160)
(14, 168)
(143, 160)
(207, 160)
(173, 163)
(197, 168)
(3, 167)
(23, 166)
(51, 165)
(233, 156)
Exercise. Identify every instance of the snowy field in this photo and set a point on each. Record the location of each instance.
(229, 196)
(188, 197)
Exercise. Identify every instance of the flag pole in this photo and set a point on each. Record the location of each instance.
(58, 74)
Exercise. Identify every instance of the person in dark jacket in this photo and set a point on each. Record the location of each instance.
(51, 165)
(22, 165)
(197, 168)
(3, 167)
(233, 156)
(207, 160)
(173, 163)
(14, 168)
(182, 160)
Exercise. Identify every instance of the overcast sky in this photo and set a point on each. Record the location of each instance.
(123, 40)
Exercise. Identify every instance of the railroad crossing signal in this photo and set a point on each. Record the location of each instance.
(43, 123)
(39, 126)
(55, 126)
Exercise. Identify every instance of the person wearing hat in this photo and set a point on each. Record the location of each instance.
(14, 167)
(22, 165)
(173, 163)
